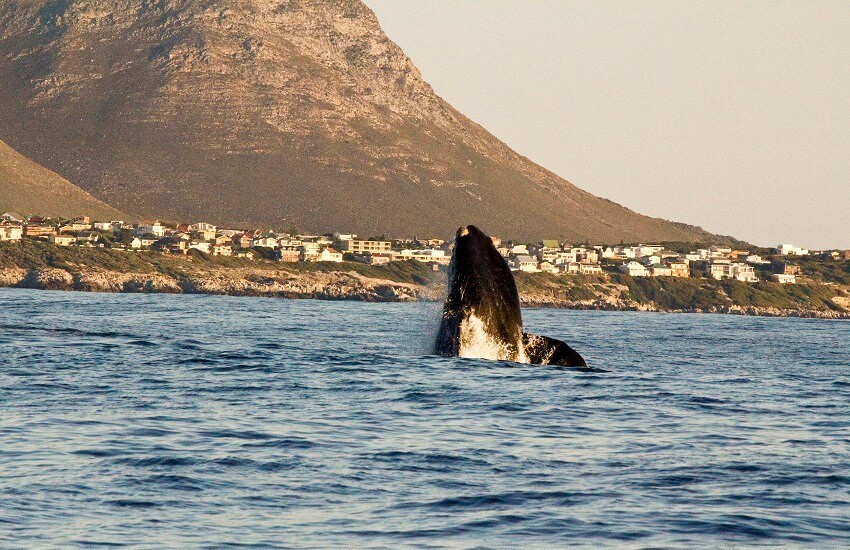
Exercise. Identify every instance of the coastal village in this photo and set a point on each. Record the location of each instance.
(547, 256)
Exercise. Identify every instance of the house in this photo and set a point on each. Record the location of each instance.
(73, 227)
(660, 270)
(11, 232)
(756, 259)
(589, 269)
(151, 228)
(103, 226)
(62, 239)
(136, 243)
(330, 255)
(745, 273)
(679, 269)
(547, 267)
(87, 237)
(634, 269)
(290, 254)
(170, 245)
(357, 246)
(786, 268)
(519, 250)
(727, 270)
(791, 250)
(265, 241)
(12, 217)
(202, 227)
(784, 279)
(427, 255)
(202, 246)
(570, 268)
(243, 240)
(524, 262)
(222, 250)
(39, 230)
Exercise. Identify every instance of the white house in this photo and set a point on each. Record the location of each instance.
(151, 227)
(11, 232)
(634, 269)
(62, 239)
(330, 255)
(526, 263)
(791, 250)
(661, 270)
(589, 269)
(426, 255)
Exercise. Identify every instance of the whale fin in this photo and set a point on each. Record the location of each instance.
(542, 350)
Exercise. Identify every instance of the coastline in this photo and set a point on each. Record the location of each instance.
(340, 285)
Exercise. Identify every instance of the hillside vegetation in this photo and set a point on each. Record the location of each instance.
(29, 188)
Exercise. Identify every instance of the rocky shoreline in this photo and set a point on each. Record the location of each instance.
(331, 285)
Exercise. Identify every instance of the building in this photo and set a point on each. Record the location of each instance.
(526, 263)
(151, 228)
(62, 239)
(660, 270)
(222, 250)
(589, 269)
(427, 255)
(727, 270)
(75, 226)
(784, 279)
(88, 237)
(12, 217)
(679, 269)
(791, 250)
(356, 246)
(246, 254)
(11, 232)
(570, 269)
(634, 269)
(786, 268)
(330, 255)
(39, 230)
(290, 255)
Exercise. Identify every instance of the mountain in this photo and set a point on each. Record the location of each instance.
(28, 188)
(271, 113)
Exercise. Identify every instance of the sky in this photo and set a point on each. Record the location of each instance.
(734, 116)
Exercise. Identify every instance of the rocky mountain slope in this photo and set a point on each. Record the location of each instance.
(271, 112)
(28, 188)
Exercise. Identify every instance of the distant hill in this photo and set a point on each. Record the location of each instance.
(272, 113)
(28, 188)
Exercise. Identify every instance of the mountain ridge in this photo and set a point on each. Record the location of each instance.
(266, 112)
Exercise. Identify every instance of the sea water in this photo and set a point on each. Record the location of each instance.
(185, 421)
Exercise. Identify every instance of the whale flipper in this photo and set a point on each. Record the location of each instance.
(543, 350)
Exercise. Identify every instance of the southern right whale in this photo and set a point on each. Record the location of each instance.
(481, 316)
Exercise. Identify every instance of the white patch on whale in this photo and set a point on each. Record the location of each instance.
(477, 343)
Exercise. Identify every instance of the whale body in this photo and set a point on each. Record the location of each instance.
(482, 318)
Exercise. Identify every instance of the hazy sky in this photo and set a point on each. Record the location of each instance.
(730, 115)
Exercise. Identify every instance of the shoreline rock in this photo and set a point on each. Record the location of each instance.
(330, 286)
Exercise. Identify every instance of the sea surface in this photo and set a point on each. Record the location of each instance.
(204, 421)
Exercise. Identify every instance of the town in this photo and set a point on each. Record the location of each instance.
(547, 256)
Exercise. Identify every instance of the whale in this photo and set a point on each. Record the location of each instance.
(481, 316)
